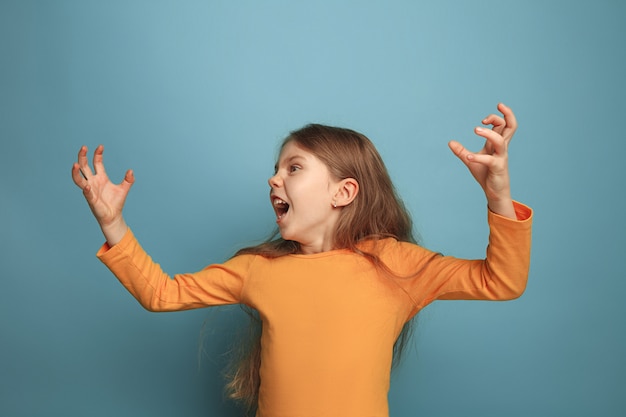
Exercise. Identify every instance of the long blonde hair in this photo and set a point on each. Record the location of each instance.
(376, 212)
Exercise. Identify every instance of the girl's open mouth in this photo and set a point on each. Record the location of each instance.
(280, 207)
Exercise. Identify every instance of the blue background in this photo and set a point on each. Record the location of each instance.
(195, 97)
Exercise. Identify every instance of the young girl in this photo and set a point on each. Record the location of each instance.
(335, 291)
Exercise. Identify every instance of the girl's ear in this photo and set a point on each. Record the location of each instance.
(346, 193)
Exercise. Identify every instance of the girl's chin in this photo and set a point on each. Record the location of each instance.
(284, 233)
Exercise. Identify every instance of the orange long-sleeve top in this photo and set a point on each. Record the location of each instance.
(330, 319)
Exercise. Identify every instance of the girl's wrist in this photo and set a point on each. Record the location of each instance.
(503, 207)
(114, 231)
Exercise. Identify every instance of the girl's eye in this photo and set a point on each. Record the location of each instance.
(294, 168)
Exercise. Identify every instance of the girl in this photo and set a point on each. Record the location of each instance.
(335, 291)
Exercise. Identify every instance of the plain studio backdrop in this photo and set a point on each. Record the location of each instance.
(195, 97)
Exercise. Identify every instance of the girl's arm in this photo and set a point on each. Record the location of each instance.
(157, 291)
(144, 279)
(489, 166)
(105, 199)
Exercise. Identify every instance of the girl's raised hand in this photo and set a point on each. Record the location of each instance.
(489, 166)
(105, 199)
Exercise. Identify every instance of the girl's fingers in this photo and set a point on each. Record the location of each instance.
(460, 151)
(468, 157)
(496, 121)
(510, 121)
(509, 116)
(81, 182)
(129, 180)
(483, 159)
(78, 177)
(98, 165)
(88, 194)
(495, 142)
(83, 164)
(505, 124)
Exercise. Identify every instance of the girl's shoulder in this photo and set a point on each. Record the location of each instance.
(390, 247)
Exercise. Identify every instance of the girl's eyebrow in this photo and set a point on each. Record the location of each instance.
(288, 161)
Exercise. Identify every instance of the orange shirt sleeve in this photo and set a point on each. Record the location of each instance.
(427, 276)
(157, 291)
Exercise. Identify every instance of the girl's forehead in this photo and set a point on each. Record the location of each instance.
(292, 150)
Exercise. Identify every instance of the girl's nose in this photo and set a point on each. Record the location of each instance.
(275, 181)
